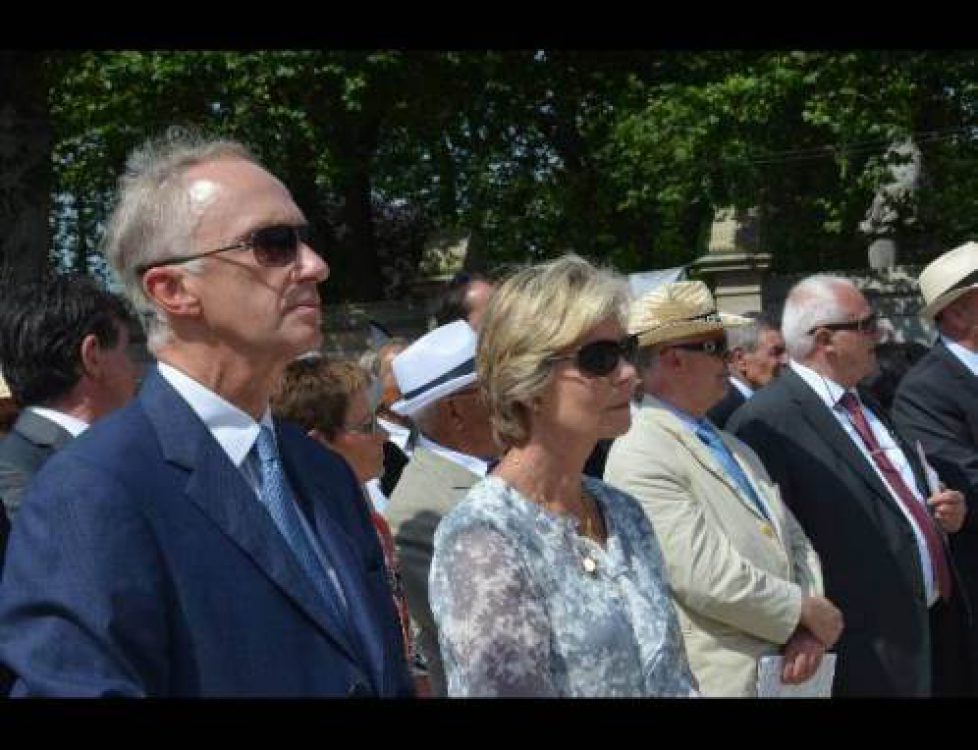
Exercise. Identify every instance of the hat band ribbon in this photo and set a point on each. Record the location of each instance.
(466, 368)
(969, 280)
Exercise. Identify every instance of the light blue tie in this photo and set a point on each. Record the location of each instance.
(706, 432)
(277, 498)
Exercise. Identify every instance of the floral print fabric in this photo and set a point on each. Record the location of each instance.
(519, 614)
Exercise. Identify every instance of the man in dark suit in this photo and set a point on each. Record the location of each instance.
(189, 545)
(860, 493)
(937, 401)
(755, 357)
(64, 350)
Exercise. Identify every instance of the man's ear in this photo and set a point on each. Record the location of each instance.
(91, 356)
(171, 289)
(823, 337)
(735, 360)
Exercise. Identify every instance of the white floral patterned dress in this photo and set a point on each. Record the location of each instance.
(519, 614)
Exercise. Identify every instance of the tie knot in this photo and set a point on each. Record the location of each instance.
(849, 402)
(266, 445)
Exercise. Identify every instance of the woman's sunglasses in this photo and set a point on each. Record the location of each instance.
(600, 358)
(273, 246)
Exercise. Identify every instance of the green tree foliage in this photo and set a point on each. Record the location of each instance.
(622, 156)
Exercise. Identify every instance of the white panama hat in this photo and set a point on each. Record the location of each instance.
(438, 364)
(952, 275)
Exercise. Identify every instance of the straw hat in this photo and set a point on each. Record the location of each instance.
(949, 277)
(676, 311)
(438, 364)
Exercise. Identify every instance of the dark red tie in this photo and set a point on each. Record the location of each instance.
(920, 515)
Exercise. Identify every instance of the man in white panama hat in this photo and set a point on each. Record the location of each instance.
(937, 401)
(451, 450)
(745, 579)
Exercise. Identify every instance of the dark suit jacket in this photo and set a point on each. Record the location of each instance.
(143, 564)
(937, 404)
(726, 406)
(31, 441)
(868, 550)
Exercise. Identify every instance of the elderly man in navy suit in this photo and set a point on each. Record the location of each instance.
(188, 545)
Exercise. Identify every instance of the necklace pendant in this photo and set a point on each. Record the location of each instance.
(590, 565)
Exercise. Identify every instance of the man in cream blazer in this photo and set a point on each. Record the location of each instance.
(745, 579)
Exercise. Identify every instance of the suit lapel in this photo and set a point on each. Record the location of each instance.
(217, 488)
(824, 424)
(41, 431)
(344, 555)
(956, 367)
(704, 456)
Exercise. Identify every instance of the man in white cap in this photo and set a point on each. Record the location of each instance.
(937, 401)
(451, 451)
(745, 578)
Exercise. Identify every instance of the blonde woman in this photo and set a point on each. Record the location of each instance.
(546, 582)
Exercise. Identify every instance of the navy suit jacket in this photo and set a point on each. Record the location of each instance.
(142, 564)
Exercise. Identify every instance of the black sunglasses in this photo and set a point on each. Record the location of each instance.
(600, 358)
(274, 246)
(869, 324)
(713, 347)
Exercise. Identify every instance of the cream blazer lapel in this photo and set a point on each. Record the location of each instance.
(703, 455)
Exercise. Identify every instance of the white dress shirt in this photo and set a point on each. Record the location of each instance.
(829, 392)
(477, 466)
(397, 434)
(72, 424)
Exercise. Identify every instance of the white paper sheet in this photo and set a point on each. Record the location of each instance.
(769, 683)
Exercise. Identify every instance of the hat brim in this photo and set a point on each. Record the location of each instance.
(682, 329)
(408, 407)
(943, 300)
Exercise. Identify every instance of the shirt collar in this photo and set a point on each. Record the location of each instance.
(825, 388)
(475, 465)
(684, 416)
(745, 390)
(73, 425)
(967, 357)
(233, 429)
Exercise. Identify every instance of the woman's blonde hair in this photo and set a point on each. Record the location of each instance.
(536, 313)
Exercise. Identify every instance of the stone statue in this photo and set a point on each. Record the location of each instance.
(894, 205)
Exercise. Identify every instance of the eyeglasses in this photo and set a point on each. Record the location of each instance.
(367, 427)
(600, 358)
(713, 347)
(867, 325)
(274, 246)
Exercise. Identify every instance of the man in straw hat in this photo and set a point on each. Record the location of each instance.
(746, 581)
(860, 492)
(451, 450)
(937, 401)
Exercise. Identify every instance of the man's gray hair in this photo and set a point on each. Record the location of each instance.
(811, 302)
(154, 217)
(746, 337)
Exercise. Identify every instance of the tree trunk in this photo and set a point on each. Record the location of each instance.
(25, 165)
(364, 282)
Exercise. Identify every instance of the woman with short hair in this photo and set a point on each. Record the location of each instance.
(329, 401)
(546, 582)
